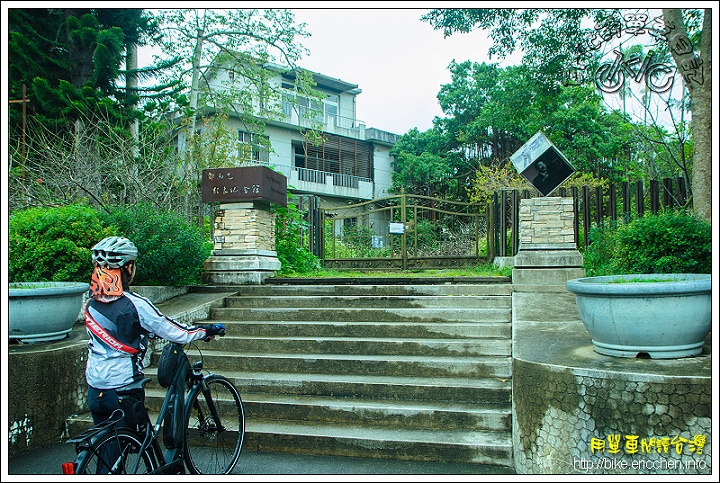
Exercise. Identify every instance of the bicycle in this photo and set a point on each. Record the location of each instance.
(202, 420)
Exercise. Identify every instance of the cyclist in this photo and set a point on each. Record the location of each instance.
(120, 323)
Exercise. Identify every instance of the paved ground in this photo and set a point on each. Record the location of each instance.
(47, 461)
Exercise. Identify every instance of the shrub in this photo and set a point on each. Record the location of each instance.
(171, 250)
(53, 243)
(669, 242)
(294, 257)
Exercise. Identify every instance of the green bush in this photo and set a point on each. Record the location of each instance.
(669, 242)
(295, 258)
(171, 250)
(53, 243)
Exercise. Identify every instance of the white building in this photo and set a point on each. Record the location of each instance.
(353, 164)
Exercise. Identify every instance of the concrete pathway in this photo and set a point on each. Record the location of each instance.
(48, 460)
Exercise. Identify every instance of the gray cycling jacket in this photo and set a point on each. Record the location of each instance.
(119, 331)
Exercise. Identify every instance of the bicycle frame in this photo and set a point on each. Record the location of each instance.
(171, 458)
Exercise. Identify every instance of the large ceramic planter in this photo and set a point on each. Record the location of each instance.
(44, 311)
(662, 315)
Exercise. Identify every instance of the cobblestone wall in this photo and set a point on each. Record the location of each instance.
(568, 422)
(46, 385)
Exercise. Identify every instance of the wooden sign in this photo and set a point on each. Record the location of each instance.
(248, 183)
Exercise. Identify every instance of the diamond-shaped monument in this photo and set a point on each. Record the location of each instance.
(542, 163)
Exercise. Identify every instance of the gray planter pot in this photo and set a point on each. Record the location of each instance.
(627, 315)
(44, 311)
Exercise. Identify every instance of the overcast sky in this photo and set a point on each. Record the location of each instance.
(398, 61)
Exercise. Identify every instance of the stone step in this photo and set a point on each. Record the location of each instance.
(462, 390)
(398, 330)
(431, 444)
(310, 437)
(356, 345)
(365, 314)
(361, 364)
(418, 371)
(369, 301)
(376, 290)
(370, 412)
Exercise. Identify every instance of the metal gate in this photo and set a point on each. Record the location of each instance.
(405, 232)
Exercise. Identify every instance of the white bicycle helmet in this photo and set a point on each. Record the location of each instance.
(114, 252)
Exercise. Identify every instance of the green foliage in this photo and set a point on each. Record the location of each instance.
(74, 72)
(489, 179)
(171, 251)
(53, 244)
(482, 270)
(558, 52)
(358, 238)
(669, 242)
(294, 256)
(422, 163)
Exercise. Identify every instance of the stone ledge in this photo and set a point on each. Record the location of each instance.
(548, 259)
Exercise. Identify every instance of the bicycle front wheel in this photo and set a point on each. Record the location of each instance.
(116, 452)
(212, 446)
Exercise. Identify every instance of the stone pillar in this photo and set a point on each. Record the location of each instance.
(244, 251)
(546, 259)
(548, 253)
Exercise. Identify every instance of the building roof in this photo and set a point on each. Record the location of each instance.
(323, 81)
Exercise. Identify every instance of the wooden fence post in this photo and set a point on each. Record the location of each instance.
(639, 199)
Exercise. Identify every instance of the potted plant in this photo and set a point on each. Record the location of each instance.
(661, 315)
(648, 286)
(44, 311)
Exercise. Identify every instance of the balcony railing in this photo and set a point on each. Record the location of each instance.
(343, 180)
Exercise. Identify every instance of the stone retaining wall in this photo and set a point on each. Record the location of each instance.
(567, 420)
(46, 384)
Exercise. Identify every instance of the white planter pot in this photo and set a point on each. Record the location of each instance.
(665, 316)
(44, 311)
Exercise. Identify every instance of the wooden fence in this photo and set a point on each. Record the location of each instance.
(592, 206)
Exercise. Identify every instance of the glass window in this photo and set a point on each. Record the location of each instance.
(331, 109)
(253, 147)
(310, 109)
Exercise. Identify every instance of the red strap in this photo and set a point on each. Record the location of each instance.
(99, 332)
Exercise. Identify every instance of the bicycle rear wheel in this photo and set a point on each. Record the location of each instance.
(211, 448)
(116, 452)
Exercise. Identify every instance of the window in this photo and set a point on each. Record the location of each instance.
(325, 111)
(287, 104)
(338, 155)
(253, 147)
(331, 109)
(310, 109)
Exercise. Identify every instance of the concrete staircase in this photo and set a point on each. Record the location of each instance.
(415, 372)
(408, 372)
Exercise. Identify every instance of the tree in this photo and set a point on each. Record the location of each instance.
(492, 111)
(243, 41)
(423, 164)
(84, 137)
(696, 72)
(70, 59)
(240, 40)
(72, 62)
(113, 169)
(554, 42)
